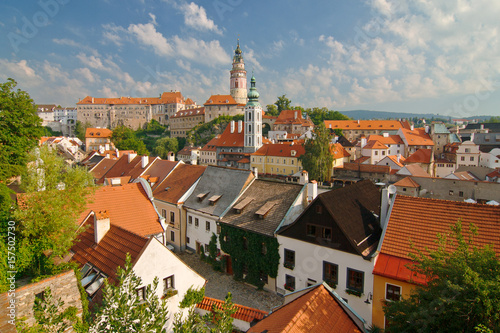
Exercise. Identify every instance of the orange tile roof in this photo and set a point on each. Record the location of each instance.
(122, 167)
(111, 251)
(420, 156)
(128, 207)
(389, 140)
(394, 158)
(364, 124)
(414, 170)
(338, 151)
(397, 268)
(189, 113)
(235, 139)
(407, 182)
(243, 313)
(280, 149)
(165, 98)
(175, 185)
(98, 133)
(288, 117)
(375, 145)
(211, 145)
(318, 311)
(417, 137)
(100, 169)
(221, 99)
(421, 219)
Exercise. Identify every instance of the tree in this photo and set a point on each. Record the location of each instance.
(56, 194)
(462, 293)
(317, 159)
(21, 128)
(80, 129)
(123, 311)
(319, 115)
(282, 103)
(49, 317)
(125, 139)
(165, 145)
(272, 110)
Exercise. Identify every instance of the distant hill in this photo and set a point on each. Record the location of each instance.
(368, 114)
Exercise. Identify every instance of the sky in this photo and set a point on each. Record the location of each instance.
(427, 56)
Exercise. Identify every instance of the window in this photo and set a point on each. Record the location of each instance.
(330, 273)
(467, 150)
(168, 283)
(290, 282)
(450, 192)
(196, 222)
(462, 158)
(472, 158)
(188, 240)
(319, 209)
(207, 225)
(172, 217)
(355, 279)
(172, 236)
(461, 194)
(141, 294)
(326, 233)
(164, 213)
(392, 292)
(311, 230)
(190, 220)
(245, 243)
(289, 259)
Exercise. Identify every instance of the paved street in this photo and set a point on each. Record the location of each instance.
(219, 284)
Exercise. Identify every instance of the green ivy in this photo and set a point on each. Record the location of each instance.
(232, 243)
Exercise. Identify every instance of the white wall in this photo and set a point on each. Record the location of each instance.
(309, 265)
(200, 234)
(157, 260)
(490, 160)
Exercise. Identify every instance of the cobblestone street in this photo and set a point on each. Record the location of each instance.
(219, 284)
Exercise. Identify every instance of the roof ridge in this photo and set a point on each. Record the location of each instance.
(405, 197)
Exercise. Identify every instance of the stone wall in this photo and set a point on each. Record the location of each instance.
(64, 286)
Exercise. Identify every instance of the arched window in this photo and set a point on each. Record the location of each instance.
(249, 116)
(249, 128)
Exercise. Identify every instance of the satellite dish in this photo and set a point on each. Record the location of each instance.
(391, 189)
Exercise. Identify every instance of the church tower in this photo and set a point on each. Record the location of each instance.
(253, 120)
(238, 83)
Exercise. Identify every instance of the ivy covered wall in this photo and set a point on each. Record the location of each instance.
(257, 254)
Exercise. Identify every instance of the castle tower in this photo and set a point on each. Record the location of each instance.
(238, 82)
(253, 120)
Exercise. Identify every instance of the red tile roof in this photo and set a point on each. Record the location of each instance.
(394, 158)
(211, 145)
(280, 149)
(165, 98)
(365, 124)
(100, 169)
(423, 156)
(414, 170)
(221, 100)
(407, 182)
(244, 313)
(128, 207)
(389, 140)
(98, 133)
(375, 145)
(338, 151)
(111, 251)
(397, 268)
(417, 137)
(421, 219)
(175, 185)
(318, 311)
(235, 139)
(189, 113)
(293, 117)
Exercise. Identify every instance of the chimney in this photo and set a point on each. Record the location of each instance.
(92, 100)
(232, 126)
(412, 127)
(385, 134)
(358, 121)
(295, 115)
(171, 156)
(312, 191)
(472, 136)
(426, 129)
(256, 172)
(304, 177)
(131, 156)
(101, 225)
(385, 204)
(240, 126)
(481, 127)
(144, 161)
(363, 142)
(117, 152)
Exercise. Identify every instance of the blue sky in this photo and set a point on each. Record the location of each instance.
(440, 56)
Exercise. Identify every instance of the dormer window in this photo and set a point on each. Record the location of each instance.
(213, 199)
(264, 210)
(202, 196)
(238, 208)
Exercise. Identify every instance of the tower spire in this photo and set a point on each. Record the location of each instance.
(238, 81)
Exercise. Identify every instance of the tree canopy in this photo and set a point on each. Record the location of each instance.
(165, 145)
(318, 115)
(317, 159)
(125, 138)
(204, 132)
(56, 194)
(21, 128)
(283, 103)
(462, 293)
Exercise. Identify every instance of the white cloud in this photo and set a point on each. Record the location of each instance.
(113, 34)
(147, 35)
(196, 17)
(87, 74)
(251, 61)
(208, 53)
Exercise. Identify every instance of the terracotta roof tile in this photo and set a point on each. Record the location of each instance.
(189, 113)
(420, 156)
(175, 185)
(165, 98)
(387, 140)
(128, 207)
(421, 219)
(100, 169)
(221, 100)
(413, 170)
(280, 149)
(417, 137)
(289, 117)
(235, 139)
(373, 144)
(364, 124)
(397, 268)
(243, 313)
(338, 151)
(122, 167)
(318, 311)
(111, 251)
(407, 182)
(98, 133)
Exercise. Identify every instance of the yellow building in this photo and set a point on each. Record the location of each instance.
(278, 159)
